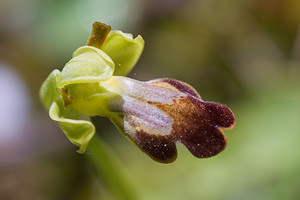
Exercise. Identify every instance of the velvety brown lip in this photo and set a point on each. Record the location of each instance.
(195, 123)
(161, 148)
(182, 87)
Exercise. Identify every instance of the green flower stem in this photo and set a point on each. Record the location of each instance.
(108, 167)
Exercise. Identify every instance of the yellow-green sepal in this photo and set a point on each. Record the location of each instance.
(48, 91)
(124, 50)
(89, 64)
(76, 126)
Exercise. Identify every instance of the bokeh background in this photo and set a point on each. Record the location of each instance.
(242, 53)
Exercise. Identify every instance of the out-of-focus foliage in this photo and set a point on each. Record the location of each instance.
(241, 53)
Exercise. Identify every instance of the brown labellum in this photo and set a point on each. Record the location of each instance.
(156, 124)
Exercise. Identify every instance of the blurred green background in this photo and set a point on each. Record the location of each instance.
(242, 53)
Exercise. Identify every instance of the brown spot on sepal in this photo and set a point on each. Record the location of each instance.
(68, 100)
(98, 35)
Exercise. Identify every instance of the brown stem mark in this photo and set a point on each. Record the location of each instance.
(98, 35)
(68, 100)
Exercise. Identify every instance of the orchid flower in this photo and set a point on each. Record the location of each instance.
(154, 115)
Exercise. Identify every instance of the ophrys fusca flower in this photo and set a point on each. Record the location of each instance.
(154, 115)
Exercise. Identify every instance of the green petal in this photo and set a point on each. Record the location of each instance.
(123, 50)
(48, 90)
(91, 99)
(89, 64)
(77, 127)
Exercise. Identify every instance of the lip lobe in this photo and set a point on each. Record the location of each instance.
(157, 125)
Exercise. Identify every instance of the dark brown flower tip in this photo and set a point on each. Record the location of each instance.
(98, 35)
(156, 124)
(196, 124)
